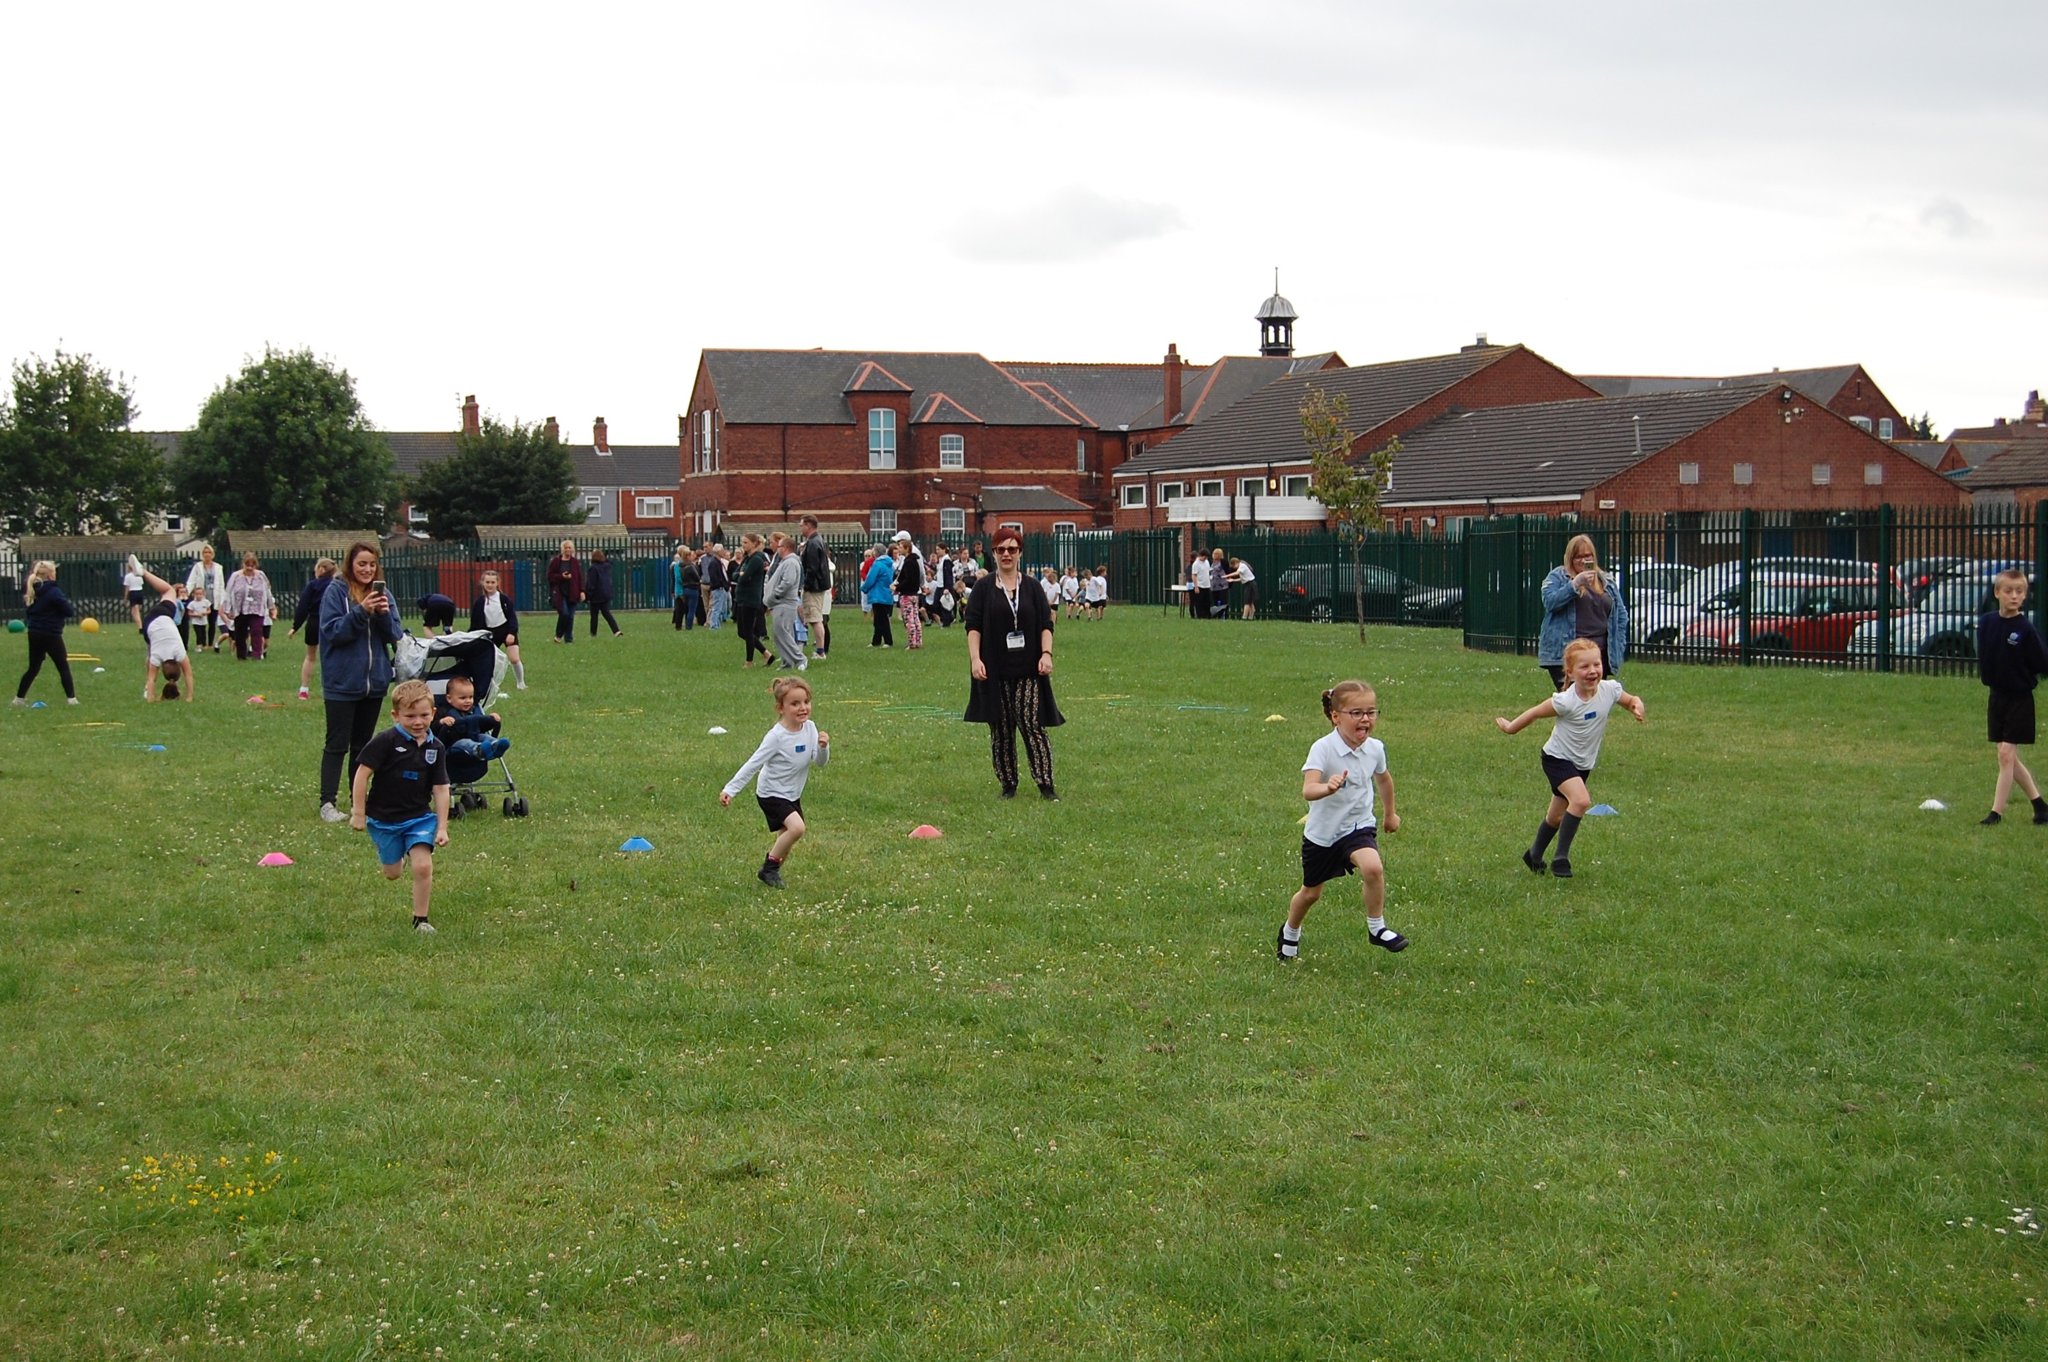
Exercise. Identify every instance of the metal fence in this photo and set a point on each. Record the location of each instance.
(1892, 589)
(1398, 577)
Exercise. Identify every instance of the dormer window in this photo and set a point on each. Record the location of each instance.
(881, 438)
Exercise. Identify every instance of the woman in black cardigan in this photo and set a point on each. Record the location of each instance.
(1009, 657)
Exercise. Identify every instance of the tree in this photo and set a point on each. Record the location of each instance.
(285, 444)
(1923, 426)
(1351, 494)
(68, 462)
(504, 475)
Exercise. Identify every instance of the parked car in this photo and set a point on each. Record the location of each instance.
(1809, 616)
(1918, 575)
(1646, 585)
(1437, 605)
(1944, 621)
(1666, 621)
(1313, 591)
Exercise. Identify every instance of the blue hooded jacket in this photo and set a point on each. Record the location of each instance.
(355, 646)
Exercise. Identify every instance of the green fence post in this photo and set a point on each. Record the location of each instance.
(1884, 587)
(1748, 536)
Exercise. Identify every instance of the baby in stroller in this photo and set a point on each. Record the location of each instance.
(472, 736)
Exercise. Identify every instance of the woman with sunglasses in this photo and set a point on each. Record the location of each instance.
(1009, 661)
(1580, 601)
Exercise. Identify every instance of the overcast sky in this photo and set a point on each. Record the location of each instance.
(555, 207)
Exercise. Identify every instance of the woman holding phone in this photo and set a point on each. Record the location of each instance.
(358, 625)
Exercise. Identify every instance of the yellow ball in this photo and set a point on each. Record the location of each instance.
(89, 625)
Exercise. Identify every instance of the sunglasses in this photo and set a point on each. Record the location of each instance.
(1008, 548)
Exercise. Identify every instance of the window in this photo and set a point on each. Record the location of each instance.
(175, 524)
(1080, 456)
(1884, 427)
(706, 455)
(1209, 487)
(952, 451)
(415, 516)
(1134, 495)
(1250, 487)
(1860, 422)
(881, 523)
(1295, 485)
(1823, 474)
(1873, 475)
(881, 438)
(1063, 527)
(1016, 525)
(654, 508)
(1745, 474)
(953, 522)
(1171, 491)
(1688, 474)
(593, 505)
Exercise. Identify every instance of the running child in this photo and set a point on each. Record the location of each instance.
(1581, 711)
(1070, 594)
(1098, 592)
(167, 656)
(784, 760)
(2010, 658)
(1343, 769)
(400, 794)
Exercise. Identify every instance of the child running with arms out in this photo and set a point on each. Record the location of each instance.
(1343, 769)
(400, 794)
(1581, 711)
(783, 761)
(2010, 657)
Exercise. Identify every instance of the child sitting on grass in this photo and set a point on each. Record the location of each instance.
(1581, 711)
(1338, 780)
(400, 794)
(784, 760)
(2010, 657)
(466, 729)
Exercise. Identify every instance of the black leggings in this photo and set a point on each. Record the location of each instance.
(885, 636)
(602, 608)
(753, 626)
(51, 646)
(350, 724)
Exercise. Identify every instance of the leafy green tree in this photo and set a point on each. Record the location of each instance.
(284, 444)
(1349, 492)
(506, 474)
(1923, 426)
(68, 462)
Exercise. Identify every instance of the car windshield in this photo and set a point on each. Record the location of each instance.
(1959, 596)
(1776, 600)
(1661, 578)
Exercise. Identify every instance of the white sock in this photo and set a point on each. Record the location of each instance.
(1289, 933)
(1376, 925)
(519, 672)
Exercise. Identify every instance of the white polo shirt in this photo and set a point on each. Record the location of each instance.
(1336, 816)
(1581, 723)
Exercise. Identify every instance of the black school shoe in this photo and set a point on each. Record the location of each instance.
(770, 874)
(1389, 938)
(1561, 868)
(1532, 860)
(1284, 943)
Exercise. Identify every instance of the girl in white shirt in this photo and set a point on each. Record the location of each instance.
(783, 760)
(1344, 769)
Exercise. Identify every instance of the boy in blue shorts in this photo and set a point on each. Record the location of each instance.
(400, 793)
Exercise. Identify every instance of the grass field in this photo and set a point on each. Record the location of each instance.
(1764, 1081)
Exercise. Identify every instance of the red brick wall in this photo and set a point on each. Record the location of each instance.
(1861, 397)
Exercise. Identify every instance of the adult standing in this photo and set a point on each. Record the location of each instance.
(1009, 658)
(48, 610)
(1219, 586)
(816, 565)
(686, 582)
(910, 591)
(782, 596)
(1579, 601)
(749, 578)
(358, 626)
(878, 589)
(249, 604)
(306, 615)
(716, 575)
(565, 588)
(597, 589)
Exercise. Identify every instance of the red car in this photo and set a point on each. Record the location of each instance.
(1789, 616)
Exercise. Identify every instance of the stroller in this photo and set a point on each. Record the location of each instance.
(471, 654)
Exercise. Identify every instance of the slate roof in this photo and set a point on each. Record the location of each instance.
(1265, 426)
(412, 450)
(1034, 498)
(808, 387)
(1819, 384)
(1549, 449)
(2016, 465)
(1977, 453)
(1133, 396)
(628, 466)
(1928, 453)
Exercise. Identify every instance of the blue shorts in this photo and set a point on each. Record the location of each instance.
(395, 839)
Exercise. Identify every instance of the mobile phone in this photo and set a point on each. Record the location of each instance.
(378, 588)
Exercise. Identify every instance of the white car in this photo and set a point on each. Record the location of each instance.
(1944, 623)
(1646, 584)
(1718, 587)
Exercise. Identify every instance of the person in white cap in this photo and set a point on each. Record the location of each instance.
(910, 590)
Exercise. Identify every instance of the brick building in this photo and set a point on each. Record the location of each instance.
(1844, 389)
(2032, 425)
(1247, 464)
(2011, 475)
(1711, 451)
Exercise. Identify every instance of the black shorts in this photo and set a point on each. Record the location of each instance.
(2009, 717)
(438, 617)
(1320, 863)
(135, 598)
(777, 811)
(1557, 771)
(504, 635)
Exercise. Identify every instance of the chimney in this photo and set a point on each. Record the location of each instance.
(1170, 371)
(597, 436)
(470, 424)
(551, 430)
(2037, 410)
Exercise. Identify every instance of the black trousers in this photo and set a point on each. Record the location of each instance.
(1017, 712)
(884, 635)
(753, 626)
(602, 608)
(350, 724)
(51, 646)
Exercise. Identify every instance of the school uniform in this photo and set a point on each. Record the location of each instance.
(1344, 820)
(2010, 659)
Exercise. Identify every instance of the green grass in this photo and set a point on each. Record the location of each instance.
(1763, 1081)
